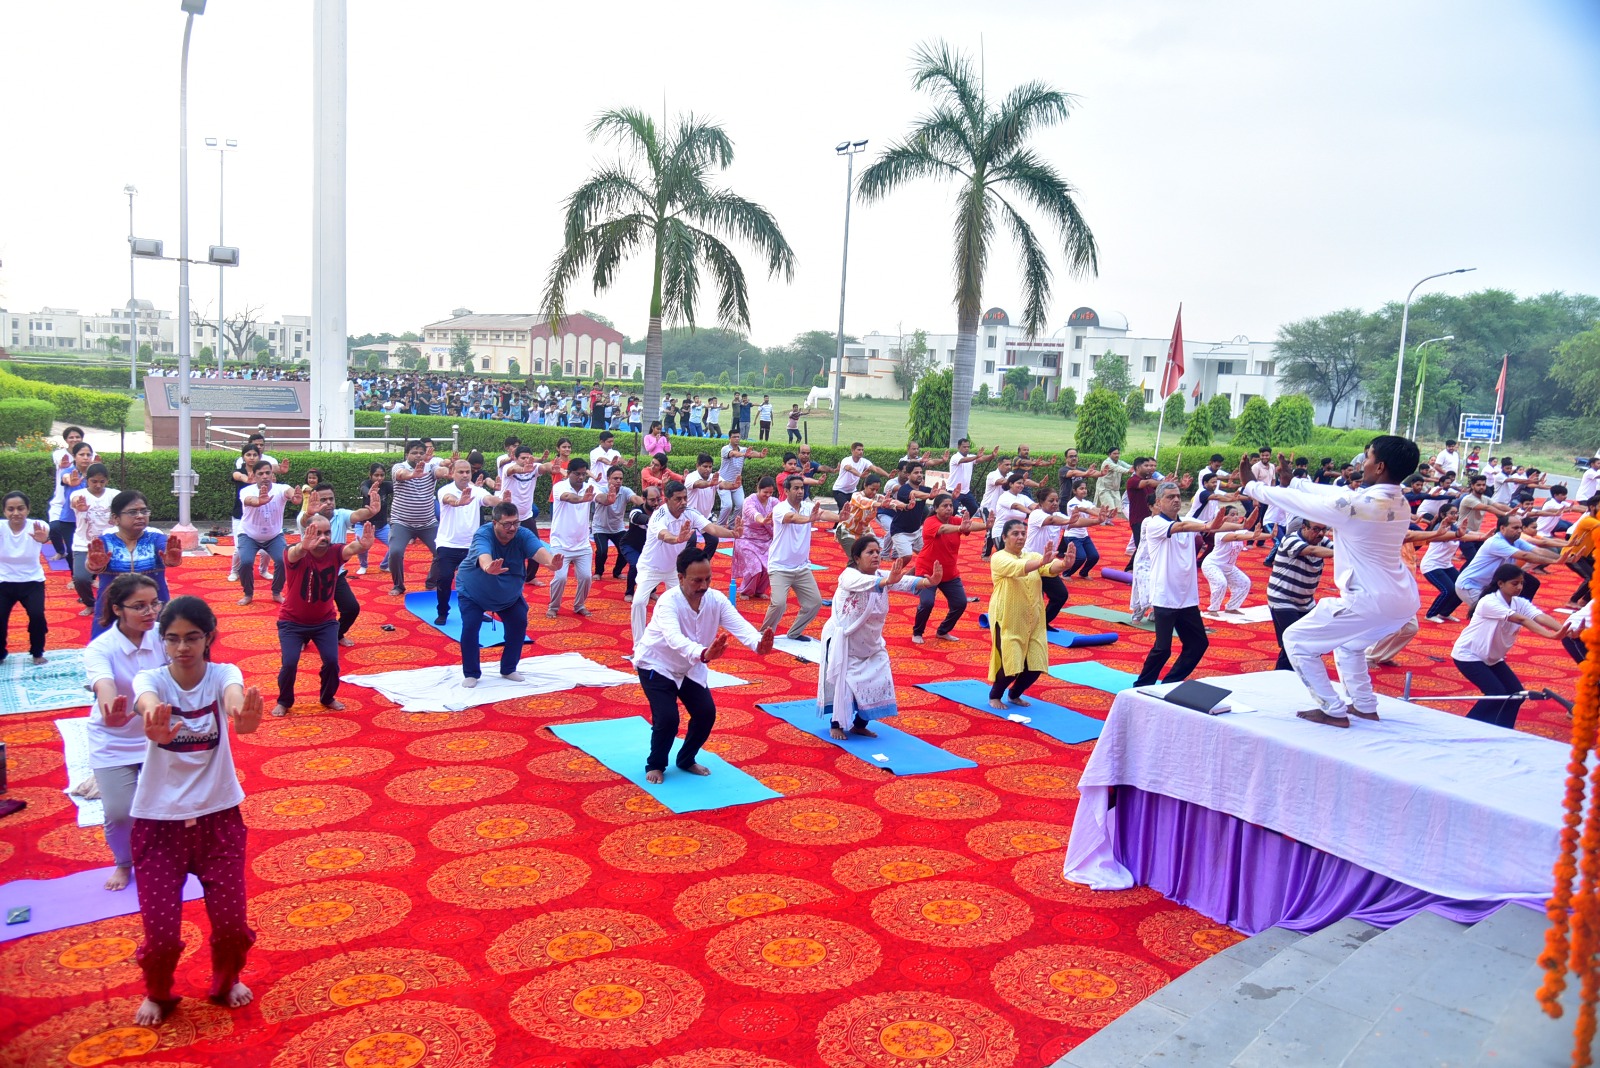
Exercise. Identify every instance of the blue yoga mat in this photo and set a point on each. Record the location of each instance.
(1056, 721)
(814, 567)
(901, 753)
(426, 605)
(623, 744)
(1066, 639)
(1095, 676)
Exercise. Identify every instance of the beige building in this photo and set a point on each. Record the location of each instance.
(584, 349)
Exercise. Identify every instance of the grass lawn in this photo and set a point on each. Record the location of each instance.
(881, 423)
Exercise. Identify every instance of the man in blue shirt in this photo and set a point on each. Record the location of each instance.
(490, 579)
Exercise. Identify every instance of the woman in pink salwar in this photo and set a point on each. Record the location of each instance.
(750, 547)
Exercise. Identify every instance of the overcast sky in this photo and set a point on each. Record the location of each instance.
(1257, 161)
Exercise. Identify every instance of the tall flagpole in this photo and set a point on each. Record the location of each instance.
(1161, 420)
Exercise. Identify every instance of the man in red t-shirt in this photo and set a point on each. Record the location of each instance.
(597, 408)
(308, 613)
(941, 550)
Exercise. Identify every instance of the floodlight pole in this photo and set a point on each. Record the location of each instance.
(849, 150)
(183, 478)
(1400, 363)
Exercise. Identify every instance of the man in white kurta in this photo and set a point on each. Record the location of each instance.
(1375, 587)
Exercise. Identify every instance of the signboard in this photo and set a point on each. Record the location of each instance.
(1486, 428)
(996, 317)
(254, 397)
(1083, 317)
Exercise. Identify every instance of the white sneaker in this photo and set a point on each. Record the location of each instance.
(233, 576)
(361, 571)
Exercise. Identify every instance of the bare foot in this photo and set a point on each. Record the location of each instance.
(150, 1013)
(838, 734)
(1317, 715)
(280, 710)
(38, 660)
(864, 732)
(348, 643)
(996, 703)
(1023, 701)
(239, 996)
(277, 598)
(1354, 711)
(695, 769)
(246, 599)
(653, 776)
(118, 879)
(335, 705)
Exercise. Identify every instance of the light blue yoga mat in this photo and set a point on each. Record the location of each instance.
(1056, 721)
(1108, 615)
(814, 567)
(27, 687)
(426, 605)
(623, 744)
(1093, 675)
(72, 899)
(892, 750)
(1066, 639)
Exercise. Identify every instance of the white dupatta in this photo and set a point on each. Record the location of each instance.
(855, 679)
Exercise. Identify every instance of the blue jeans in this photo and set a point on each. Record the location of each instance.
(381, 534)
(515, 618)
(248, 547)
(1088, 555)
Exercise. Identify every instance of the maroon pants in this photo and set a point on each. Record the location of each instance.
(164, 853)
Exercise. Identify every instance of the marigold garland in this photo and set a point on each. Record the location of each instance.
(1573, 940)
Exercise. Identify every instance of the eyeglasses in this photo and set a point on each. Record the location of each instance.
(141, 606)
(135, 512)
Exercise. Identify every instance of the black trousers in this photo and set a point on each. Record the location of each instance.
(30, 595)
(1282, 620)
(1018, 683)
(1493, 680)
(1191, 632)
(344, 599)
(1584, 569)
(664, 695)
(955, 600)
(1055, 597)
(1575, 648)
(602, 546)
(293, 637)
(443, 574)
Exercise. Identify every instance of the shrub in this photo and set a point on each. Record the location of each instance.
(698, 379)
(1010, 398)
(638, 374)
(83, 406)
(1254, 428)
(1067, 403)
(1221, 413)
(779, 382)
(983, 395)
(1133, 405)
(1036, 401)
(724, 379)
(83, 377)
(1174, 414)
(1199, 430)
(672, 377)
(928, 420)
(1102, 423)
(21, 418)
(820, 381)
(1572, 432)
(1292, 420)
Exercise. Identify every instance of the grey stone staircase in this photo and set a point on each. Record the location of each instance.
(1427, 991)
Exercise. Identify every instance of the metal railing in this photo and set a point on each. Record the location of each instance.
(378, 438)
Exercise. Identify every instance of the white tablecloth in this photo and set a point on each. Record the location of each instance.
(439, 689)
(1448, 805)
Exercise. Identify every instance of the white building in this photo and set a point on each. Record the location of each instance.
(585, 347)
(68, 330)
(1238, 369)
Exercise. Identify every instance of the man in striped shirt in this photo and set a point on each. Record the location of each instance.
(1296, 573)
(413, 510)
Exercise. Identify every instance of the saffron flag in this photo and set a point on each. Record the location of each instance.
(1196, 393)
(1174, 369)
(1500, 386)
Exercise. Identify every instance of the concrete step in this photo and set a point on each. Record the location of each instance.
(1428, 991)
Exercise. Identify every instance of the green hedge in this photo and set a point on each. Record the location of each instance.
(20, 418)
(87, 407)
(84, 377)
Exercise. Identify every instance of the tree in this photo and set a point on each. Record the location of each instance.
(1111, 373)
(638, 374)
(672, 377)
(1221, 412)
(1254, 428)
(264, 358)
(409, 335)
(1292, 418)
(1067, 403)
(913, 362)
(928, 419)
(1173, 411)
(1010, 398)
(1323, 357)
(1102, 423)
(1017, 378)
(661, 200)
(1577, 367)
(374, 361)
(146, 352)
(239, 331)
(111, 344)
(1199, 430)
(1133, 404)
(984, 399)
(206, 352)
(777, 382)
(982, 147)
(407, 355)
(460, 351)
(724, 379)
(1037, 402)
(751, 378)
(698, 378)
(513, 368)
(420, 363)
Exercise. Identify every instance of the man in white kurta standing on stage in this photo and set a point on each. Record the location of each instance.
(670, 527)
(789, 557)
(569, 535)
(1375, 586)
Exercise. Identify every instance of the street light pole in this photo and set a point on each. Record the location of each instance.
(847, 149)
(133, 314)
(1422, 375)
(183, 479)
(1400, 363)
(222, 147)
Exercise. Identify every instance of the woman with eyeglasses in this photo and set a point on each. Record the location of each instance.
(126, 646)
(21, 573)
(130, 547)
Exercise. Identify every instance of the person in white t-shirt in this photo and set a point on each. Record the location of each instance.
(570, 499)
(1229, 584)
(730, 476)
(1589, 484)
(701, 483)
(261, 530)
(92, 505)
(669, 528)
(959, 484)
(1480, 651)
(604, 456)
(116, 739)
(1174, 589)
(186, 817)
(851, 468)
(1448, 459)
(460, 516)
(789, 558)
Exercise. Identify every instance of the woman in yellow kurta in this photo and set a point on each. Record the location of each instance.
(1016, 613)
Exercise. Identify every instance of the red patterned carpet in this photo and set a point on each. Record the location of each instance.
(452, 890)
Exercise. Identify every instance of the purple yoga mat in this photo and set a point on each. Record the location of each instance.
(71, 900)
(1116, 575)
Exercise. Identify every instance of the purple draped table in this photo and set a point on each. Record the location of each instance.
(1257, 819)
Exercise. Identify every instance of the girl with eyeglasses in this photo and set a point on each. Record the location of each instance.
(22, 573)
(130, 547)
(127, 645)
(185, 808)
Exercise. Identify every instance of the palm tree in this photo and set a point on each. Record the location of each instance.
(982, 147)
(661, 200)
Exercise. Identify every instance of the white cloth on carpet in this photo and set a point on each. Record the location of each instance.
(808, 650)
(439, 689)
(75, 740)
(1437, 801)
